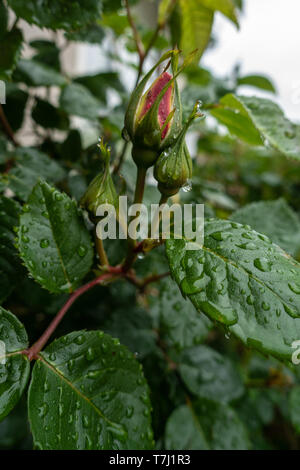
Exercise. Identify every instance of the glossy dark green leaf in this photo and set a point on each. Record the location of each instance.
(294, 407)
(10, 267)
(14, 366)
(31, 164)
(11, 45)
(180, 323)
(263, 117)
(257, 81)
(57, 14)
(276, 220)
(205, 425)
(34, 73)
(242, 280)
(14, 429)
(89, 392)
(53, 240)
(48, 116)
(208, 374)
(77, 99)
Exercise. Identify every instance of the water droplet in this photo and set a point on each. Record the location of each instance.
(187, 186)
(79, 339)
(129, 411)
(263, 264)
(90, 354)
(43, 410)
(44, 243)
(81, 251)
(294, 287)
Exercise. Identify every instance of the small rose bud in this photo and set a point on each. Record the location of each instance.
(101, 189)
(174, 166)
(154, 118)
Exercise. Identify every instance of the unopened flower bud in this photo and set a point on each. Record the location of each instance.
(174, 166)
(101, 189)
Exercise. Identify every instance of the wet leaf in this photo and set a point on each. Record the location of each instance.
(53, 240)
(244, 282)
(14, 366)
(88, 392)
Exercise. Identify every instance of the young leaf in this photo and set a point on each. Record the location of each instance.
(57, 14)
(276, 220)
(10, 266)
(208, 374)
(88, 392)
(263, 118)
(77, 99)
(34, 73)
(243, 281)
(196, 25)
(14, 366)
(11, 45)
(226, 7)
(181, 325)
(205, 425)
(53, 240)
(31, 164)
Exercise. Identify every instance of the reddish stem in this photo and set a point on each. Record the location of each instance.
(33, 351)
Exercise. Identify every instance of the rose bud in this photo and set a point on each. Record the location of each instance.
(101, 189)
(154, 118)
(173, 167)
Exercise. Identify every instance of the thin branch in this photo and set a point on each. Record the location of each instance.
(136, 35)
(6, 127)
(33, 351)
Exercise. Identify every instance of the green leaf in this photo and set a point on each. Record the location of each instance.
(294, 407)
(47, 53)
(263, 117)
(71, 148)
(134, 328)
(48, 116)
(238, 123)
(32, 164)
(34, 73)
(89, 392)
(16, 101)
(57, 14)
(76, 99)
(205, 425)
(257, 81)
(92, 33)
(180, 323)
(285, 232)
(3, 19)
(10, 267)
(196, 26)
(100, 83)
(226, 7)
(14, 366)
(208, 374)
(11, 45)
(53, 240)
(243, 281)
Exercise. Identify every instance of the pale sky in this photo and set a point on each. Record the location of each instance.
(268, 42)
